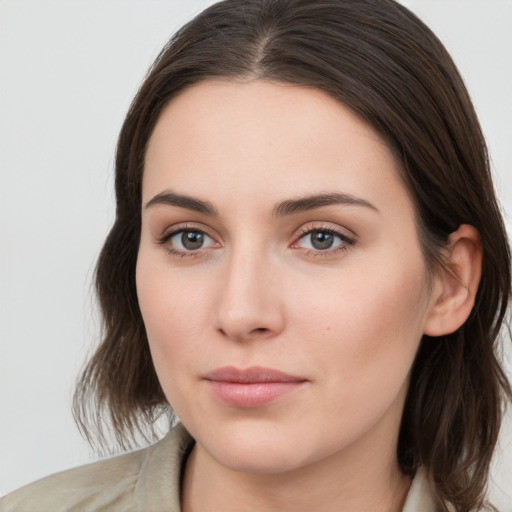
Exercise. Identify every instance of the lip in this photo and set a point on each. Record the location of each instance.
(251, 387)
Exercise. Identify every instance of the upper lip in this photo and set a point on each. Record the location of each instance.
(252, 375)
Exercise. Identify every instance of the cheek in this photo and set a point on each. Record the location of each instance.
(366, 325)
(174, 312)
(171, 300)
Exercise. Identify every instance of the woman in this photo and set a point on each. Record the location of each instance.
(308, 265)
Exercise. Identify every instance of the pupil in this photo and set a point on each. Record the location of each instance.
(321, 240)
(192, 240)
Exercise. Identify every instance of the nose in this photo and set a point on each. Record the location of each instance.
(250, 304)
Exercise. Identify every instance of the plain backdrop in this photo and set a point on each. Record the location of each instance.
(68, 71)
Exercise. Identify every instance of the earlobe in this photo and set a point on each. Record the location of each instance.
(456, 283)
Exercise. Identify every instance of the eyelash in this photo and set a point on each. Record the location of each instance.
(168, 235)
(347, 241)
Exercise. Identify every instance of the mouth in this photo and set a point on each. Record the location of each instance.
(251, 387)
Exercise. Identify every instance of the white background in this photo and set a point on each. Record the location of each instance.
(68, 71)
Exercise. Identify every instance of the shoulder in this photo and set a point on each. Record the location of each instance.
(134, 481)
(90, 487)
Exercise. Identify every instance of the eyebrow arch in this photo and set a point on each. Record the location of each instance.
(168, 197)
(304, 204)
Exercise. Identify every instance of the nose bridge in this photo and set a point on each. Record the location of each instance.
(249, 301)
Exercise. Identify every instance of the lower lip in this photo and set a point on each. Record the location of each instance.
(248, 396)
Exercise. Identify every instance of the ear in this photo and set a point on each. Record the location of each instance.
(456, 283)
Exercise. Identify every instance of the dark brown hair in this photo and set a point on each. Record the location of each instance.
(382, 62)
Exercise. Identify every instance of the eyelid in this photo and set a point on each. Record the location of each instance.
(175, 229)
(346, 236)
(186, 226)
(335, 229)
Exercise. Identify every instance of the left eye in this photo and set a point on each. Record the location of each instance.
(189, 240)
(322, 240)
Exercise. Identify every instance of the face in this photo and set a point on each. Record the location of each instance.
(279, 276)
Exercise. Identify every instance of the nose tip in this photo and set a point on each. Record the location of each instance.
(249, 319)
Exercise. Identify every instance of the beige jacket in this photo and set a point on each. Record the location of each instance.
(147, 480)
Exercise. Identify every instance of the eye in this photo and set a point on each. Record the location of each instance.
(323, 240)
(189, 240)
(183, 241)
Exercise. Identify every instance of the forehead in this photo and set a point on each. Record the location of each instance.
(232, 138)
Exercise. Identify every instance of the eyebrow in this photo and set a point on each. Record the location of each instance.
(304, 204)
(170, 198)
(285, 208)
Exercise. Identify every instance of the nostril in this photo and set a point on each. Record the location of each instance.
(249, 334)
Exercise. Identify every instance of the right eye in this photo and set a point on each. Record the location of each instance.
(185, 242)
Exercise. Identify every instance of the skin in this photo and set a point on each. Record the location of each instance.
(258, 292)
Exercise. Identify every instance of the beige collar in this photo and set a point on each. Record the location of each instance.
(419, 498)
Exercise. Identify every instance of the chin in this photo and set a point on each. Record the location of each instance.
(260, 449)
(265, 460)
